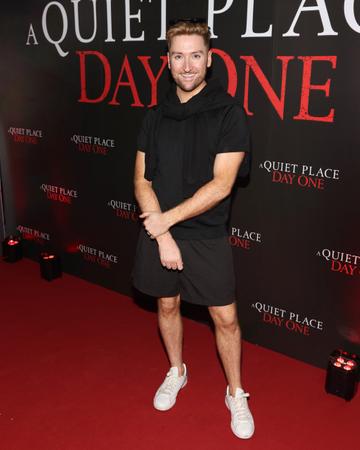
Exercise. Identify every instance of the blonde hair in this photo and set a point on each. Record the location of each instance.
(188, 26)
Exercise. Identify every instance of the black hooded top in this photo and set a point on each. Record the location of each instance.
(181, 140)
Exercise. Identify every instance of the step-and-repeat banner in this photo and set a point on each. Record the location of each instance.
(76, 79)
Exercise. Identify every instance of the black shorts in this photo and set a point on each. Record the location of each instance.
(207, 278)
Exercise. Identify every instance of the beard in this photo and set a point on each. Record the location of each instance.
(189, 86)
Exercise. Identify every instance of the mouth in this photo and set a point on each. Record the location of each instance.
(188, 77)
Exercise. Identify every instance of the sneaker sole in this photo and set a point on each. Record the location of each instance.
(172, 404)
(232, 428)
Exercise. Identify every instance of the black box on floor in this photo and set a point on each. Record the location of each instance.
(50, 266)
(342, 374)
(12, 249)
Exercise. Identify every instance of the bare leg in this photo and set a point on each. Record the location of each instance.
(171, 329)
(228, 341)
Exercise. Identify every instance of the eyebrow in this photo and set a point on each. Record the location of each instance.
(181, 53)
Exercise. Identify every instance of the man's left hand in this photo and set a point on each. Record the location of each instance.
(155, 223)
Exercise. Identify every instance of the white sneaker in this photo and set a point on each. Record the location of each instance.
(165, 397)
(242, 422)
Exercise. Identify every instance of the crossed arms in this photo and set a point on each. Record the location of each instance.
(158, 223)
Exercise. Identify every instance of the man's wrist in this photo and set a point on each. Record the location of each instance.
(163, 237)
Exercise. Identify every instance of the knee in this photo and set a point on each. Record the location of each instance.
(225, 320)
(169, 306)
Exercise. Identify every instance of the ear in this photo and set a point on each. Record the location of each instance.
(168, 60)
(209, 58)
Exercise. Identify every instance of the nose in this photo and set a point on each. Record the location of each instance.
(187, 64)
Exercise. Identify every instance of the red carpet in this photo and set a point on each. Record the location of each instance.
(80, 364)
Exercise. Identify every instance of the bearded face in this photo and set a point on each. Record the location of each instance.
(188, 60)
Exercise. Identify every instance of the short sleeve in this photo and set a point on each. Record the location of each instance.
(144, 133)
(234, 132)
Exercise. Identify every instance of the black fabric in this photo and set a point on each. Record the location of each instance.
(181, 141)
(207, 278)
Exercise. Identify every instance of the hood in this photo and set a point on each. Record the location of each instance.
(212, 96)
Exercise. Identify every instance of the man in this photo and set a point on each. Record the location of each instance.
(190, 150)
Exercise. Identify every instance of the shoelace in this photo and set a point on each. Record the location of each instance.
(241, 410)
(169, 385)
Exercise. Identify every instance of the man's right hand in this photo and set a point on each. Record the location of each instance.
(169, 252)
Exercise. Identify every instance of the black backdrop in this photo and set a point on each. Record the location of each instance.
(70, 113)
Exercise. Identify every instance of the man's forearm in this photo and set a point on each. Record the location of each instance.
(226, 167)
(148, 201)
(146, 197)
(204, 199)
